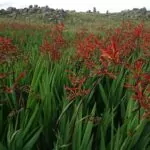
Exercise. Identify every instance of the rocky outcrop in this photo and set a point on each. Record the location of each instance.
(45, 13)
(148, 15)
(11, 9)
(136, 13)
(57, 15)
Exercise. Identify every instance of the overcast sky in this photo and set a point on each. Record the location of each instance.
(80, 5)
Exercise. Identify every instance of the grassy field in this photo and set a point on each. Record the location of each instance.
(81, 85)
(93, 22)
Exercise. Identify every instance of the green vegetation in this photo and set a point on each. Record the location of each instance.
(65, 88)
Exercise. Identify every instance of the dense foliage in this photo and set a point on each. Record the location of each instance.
(74, 91)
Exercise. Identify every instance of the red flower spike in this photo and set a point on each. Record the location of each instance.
(138, 31)
(8, 90)
(76, 86)
(139, 64)
(52, 47)
(11, 89)
(111, 52)
(146, 76)
(7, 49)
(21, 75)
(3, 75)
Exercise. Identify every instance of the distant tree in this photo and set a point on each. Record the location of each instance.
(35, 6)
(94, 9)
(89, 11)
(30, 6)
(107, 12)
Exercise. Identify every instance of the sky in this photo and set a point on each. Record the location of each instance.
(78, 5)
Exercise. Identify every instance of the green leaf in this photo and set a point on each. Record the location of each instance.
(31, 121)
(33, 140)
(104, 95)
(2, 147)
(88, 131)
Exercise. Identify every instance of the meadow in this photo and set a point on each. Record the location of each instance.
(66, 88)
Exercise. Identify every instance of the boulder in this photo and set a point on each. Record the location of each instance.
(2, 12)
(44, 9)
(25, 10)
(10, 9)
(30, 6)
(32, 10)
(13, 15)
(148, 15)
(42, 12)
(143, 11)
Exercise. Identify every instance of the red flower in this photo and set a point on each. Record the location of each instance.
(138, 65)
(21, 75)
(11, 89)
(138, 30)
(111, 52)
(76, 88)
(7, 49)
(53, 45)
(146, 76)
